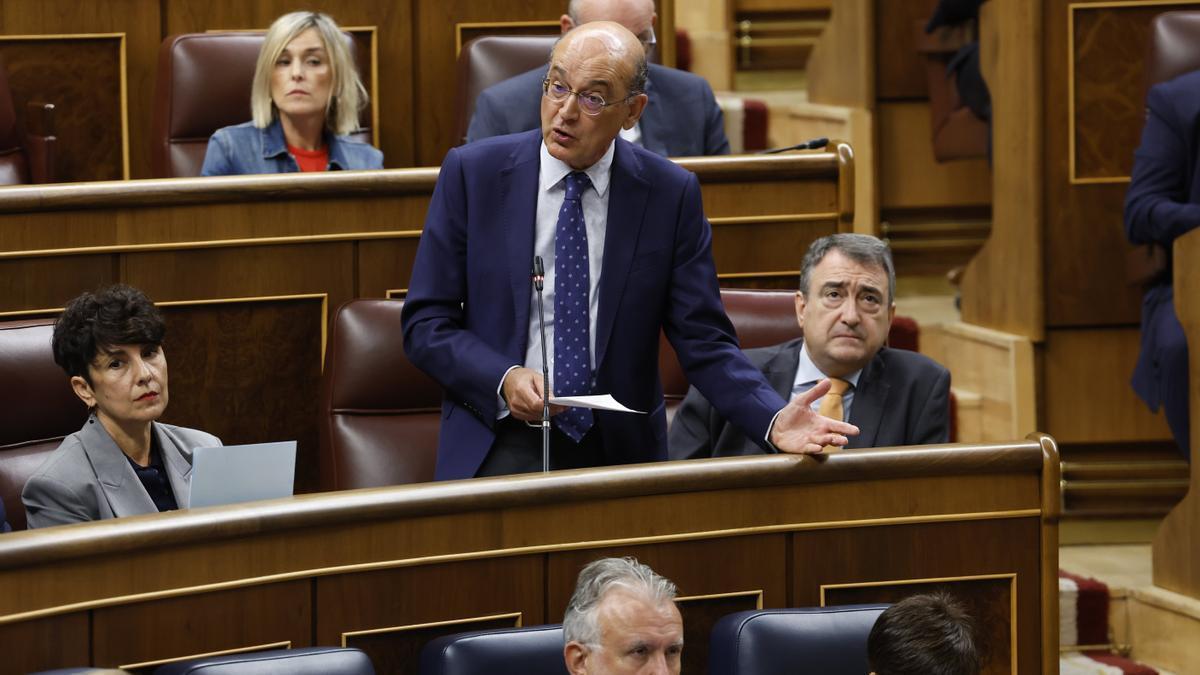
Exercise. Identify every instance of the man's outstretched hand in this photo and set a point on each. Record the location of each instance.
(799, 430)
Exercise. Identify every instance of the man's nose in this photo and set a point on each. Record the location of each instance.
(850, 315)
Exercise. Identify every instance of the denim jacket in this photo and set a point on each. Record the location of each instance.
(246, 149)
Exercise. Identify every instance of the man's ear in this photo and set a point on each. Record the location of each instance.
(83, 390)
(575, 655)
(637, 105)
(891, 313)
(800, 304)
(565, 23)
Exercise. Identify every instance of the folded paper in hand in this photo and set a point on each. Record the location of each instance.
(596, 402)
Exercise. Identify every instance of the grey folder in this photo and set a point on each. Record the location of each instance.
(230, 474)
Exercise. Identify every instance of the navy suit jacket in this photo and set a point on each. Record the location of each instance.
(681, 119)
(4, 526)
(902, 398)
(1162, 204)
(466, 315)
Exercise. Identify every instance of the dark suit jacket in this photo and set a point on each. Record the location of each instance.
(681, 119)
(4, 526)
(1163, 203)
(466, 316)
(902, 398)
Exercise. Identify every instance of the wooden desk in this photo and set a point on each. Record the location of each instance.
(248, 269)
(1177, 542)
(388, 569)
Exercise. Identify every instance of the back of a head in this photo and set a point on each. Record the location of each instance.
(929, 634)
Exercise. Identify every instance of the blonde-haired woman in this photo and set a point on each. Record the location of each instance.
(305, 102)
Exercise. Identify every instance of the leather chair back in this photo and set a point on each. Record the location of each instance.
(379, 414)
(38, 411)
(204, 84)
(537, 650)
(490, 59)
(826, 640)
(26, 157)
(761, 319)
(305, 661)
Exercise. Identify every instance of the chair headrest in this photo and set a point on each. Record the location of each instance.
(537, 650)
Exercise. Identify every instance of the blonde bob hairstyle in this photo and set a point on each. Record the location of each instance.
(347, 95)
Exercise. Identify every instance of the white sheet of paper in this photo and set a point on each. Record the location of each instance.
(596, 402)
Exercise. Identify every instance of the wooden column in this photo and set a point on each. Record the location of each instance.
(1177, 544)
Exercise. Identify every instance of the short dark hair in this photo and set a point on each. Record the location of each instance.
(861, 248)
(116, 315)
(929, 634)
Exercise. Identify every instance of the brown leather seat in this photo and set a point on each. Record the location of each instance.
(490, 59)
(25, 157)
(379, 414)
(204, 83)
(38, 411)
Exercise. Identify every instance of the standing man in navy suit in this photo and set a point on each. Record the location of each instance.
(627, 253)
(681, 116)
(1163, 204)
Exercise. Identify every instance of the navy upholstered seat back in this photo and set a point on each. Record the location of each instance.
(825, 640)
(537, 650)
(307, 661)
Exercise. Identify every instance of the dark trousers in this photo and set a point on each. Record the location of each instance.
(518, 449)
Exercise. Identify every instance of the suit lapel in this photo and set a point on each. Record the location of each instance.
(870, 400)
(628, 193)
(179, 469)
(518, 196)
(780, 370)
(124, 492)
(652, 121)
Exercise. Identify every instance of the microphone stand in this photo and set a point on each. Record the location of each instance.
(806, 145)
(539, 278)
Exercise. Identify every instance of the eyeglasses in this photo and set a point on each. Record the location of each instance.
(590, 103)
(648, 40)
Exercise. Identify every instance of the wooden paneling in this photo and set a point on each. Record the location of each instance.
(1087, 396)
(175, 628)
(139, 20)
(1002, 287)
(909, 175)
(51, 282)
(1177, 542)
(406, 557)
(899, 69)
(391, 614)
(1085, 241)
(70, 633)
(393, 22)
(231, 384)
(84, 78)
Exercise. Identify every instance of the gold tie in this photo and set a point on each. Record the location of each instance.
(831, 405)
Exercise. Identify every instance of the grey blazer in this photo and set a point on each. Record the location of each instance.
(88, 477)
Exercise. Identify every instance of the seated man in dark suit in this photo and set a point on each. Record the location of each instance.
(845, 306)
(681, 118)
(4, 526)
(1163, 204)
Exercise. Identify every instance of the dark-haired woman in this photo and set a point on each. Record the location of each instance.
(122, 462)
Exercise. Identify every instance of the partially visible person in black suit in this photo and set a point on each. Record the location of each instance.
(1163, 204)
(681, 118)
(4, 526)
(845, 306)
(928, 634)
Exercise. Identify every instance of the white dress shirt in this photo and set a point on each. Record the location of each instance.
(808, 375)
(551, 192)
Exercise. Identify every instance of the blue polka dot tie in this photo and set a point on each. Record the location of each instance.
(572, 346)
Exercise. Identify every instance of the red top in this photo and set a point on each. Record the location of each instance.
(310, 160)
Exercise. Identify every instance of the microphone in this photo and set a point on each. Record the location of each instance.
(806, 145)
(539, 278)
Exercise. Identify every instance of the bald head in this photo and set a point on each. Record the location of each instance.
(637, 16)
(605, 63)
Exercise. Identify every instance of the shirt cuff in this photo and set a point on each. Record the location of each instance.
(770, 428)
(502, 405)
